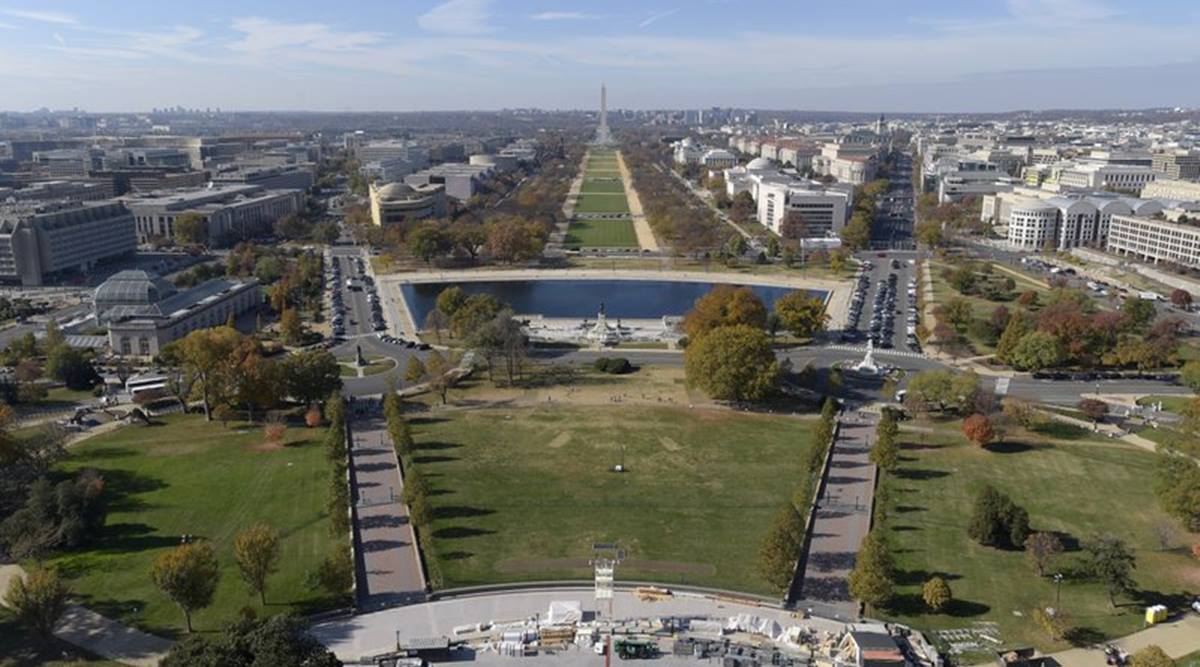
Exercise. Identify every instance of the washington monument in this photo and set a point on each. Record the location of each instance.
(602, 134)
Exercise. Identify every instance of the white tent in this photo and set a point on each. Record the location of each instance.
(564, 612)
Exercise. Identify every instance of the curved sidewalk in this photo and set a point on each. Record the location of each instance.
(99, 635)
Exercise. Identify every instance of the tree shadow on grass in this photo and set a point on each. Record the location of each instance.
(122, 486)
(912, 604)
(918, 577)
(920, 473)
(460, 512)
(1008, 447)
(132, 537)
(459, 532)
(434, 459)
(908, 509)
(905, 529)
(456, 555)
(1084, 636)
(426, 420)
(435, 446)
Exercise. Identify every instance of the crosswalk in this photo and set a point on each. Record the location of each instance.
(862, 349)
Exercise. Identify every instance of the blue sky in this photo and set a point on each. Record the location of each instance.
(857, 55)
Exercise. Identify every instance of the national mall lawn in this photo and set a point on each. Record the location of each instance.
(523, 492)
(183, 475)
(1072, 483)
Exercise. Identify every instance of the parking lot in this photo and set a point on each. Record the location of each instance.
(885, 291)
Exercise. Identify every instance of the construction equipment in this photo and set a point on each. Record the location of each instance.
(635, 649)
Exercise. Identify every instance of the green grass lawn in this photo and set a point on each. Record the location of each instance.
(1075, 486)
(523, 494)
(1189, 660)
(602, 186)
(602, 203)
(189, 476)
(20, 648)
(1174, 404)
(602, 234)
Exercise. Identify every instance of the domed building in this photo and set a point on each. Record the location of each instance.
(759, 164)
(130, 288)
(397, 203)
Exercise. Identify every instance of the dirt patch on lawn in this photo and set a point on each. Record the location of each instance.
(267, 446)
(560, 440)
(669, 444)
(523, 565)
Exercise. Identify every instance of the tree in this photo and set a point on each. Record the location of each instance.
(1151, 656)
(1181, 298)
(335, 574)
(512, 240)
(257, 552)
(1019, 324)
(188, 575)
(63, 515)
(1111, 562)
(1021, 411)
(1139, 311)
(936, 594)
(69, 366)
(958, 313)
(312, 416)
(781, 548)
(872, 579)
(800, 313)
(1177, 485)
(723, 306)
(439, 368)
(475, 311)
(978, 429)
(450, 300)
(1093, 409)
(929, 233)
(996, 521)
(38, 600)
(310, 375)
(1041, 548)
(191, 229)
(427, 241)
(885, 453)
(1036, 350)
(414, 372)
(941, 390)
(291, 327)
(1190, 375)
(291, 227)
(733, 363)
(251, 642)
(205, 355)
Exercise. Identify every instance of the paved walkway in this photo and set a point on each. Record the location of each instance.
(1177, 638)
(843, 517)
(99, 635)
(641, 226)
(386, 557)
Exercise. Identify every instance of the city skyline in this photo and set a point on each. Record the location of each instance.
(481, 54)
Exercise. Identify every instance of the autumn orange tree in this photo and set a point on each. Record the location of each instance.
(979, 430)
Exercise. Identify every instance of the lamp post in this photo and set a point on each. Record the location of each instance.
(1058, 578)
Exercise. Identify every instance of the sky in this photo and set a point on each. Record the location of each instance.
(415, 55)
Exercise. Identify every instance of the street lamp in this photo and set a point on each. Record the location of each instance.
(1058, 578)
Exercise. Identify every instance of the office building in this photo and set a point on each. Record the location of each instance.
(1117, 177)
(1154, 240)
(144, 329)
(43, 241)
(1169, 188)
(398, 203)
(233, 212)
(132, 287)
(823, 212)
(299, 176)
(460, 180)
(1178, 165)
(1037, 219)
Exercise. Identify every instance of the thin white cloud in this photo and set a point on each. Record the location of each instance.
(564, 16)
(59, 38)
(1055, 11)
(7, 26)
(41, 16)
(458, 17)
(650, 20)
(260, 35)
